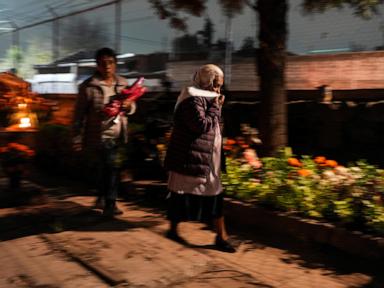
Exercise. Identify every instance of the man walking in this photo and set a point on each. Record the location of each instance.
(100, 134)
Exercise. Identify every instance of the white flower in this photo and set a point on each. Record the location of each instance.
(328, 174)
(341, 170)
(355, 169)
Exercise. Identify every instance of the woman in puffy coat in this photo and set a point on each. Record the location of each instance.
(193, 158)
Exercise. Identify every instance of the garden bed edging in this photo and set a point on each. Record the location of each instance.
(240, 214)
(353, 242)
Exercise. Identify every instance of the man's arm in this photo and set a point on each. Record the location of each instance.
(129, 107)
(79, 116)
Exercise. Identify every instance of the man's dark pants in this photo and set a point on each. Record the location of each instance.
(109, 173)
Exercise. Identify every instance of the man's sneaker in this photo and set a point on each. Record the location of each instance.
(224, 245)
(111, 210)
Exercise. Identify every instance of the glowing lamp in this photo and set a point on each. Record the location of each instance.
(25, 122)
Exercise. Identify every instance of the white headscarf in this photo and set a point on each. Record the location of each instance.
(205, 76)
(202, 83)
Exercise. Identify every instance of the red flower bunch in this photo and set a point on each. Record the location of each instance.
(135, 91)
(113, 108)
(132, 93)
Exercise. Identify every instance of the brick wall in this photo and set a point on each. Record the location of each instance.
(362, 70)
(358, 70)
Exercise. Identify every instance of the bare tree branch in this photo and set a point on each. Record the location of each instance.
(362, 8)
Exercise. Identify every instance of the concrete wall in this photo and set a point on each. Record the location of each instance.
(358, 70)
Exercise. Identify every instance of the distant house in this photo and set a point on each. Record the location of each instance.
(54, 83)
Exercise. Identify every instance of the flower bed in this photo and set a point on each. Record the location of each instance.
(313, 187)
(13, 159)
(14, 154)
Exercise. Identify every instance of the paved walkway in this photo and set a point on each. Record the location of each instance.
(59, 241)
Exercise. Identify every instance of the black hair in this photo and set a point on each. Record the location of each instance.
(105, 52)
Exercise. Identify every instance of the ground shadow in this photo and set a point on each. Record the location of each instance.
(72, 216)
(311, 255)
(300, 252)
(59, 216)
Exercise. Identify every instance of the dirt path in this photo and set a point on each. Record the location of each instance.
(62, 242)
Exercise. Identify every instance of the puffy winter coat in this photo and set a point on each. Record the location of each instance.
(192, 139)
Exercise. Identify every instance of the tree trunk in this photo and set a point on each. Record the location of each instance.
(271, 67)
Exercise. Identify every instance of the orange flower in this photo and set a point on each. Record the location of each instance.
(227, 148)
(230, 141)
(240, 141)
(18, 150)
(331, 163)
(12, 145)
(320, 159)
(244, 146)
(17, 146)
(3, 149)
(294, 162)
(304, 172)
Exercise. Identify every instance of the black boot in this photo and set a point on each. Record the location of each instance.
(110, 209)
(224, 245)
(99, 203)
(117, 211)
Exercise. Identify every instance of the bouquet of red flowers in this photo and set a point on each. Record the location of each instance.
(132, 93)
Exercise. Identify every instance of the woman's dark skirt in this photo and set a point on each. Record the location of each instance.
(189, 207)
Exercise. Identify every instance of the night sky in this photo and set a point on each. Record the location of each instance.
(143, 32)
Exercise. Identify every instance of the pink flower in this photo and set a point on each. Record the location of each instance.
(251, 157)
(256, 164)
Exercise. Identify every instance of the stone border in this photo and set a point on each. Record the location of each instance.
(248, 214)
(352, 242)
